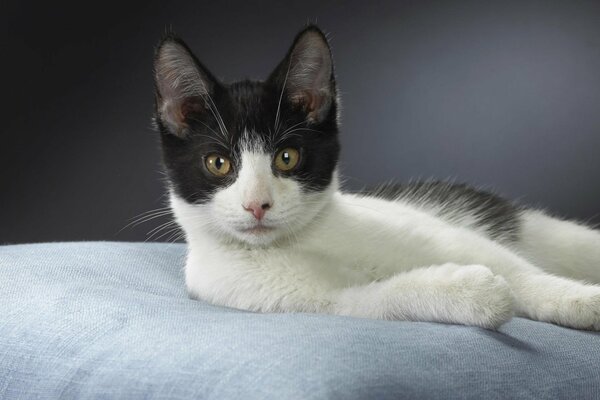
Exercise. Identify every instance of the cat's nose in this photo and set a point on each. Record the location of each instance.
(258, 209)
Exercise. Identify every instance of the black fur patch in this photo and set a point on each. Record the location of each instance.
(499, 217)
(249, 106)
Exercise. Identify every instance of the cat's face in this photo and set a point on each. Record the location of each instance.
(248, 161)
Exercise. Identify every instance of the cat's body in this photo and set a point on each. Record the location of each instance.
(254, 186)
(331, 264)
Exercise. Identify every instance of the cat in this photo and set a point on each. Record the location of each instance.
(253, 180)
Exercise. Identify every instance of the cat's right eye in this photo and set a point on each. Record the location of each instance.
(218, 165)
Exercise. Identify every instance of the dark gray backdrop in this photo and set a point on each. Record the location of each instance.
(500, 94)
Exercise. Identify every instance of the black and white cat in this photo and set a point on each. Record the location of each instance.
(254, 186)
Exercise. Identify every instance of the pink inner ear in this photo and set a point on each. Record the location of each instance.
(172, 110)
(311, 103)
(176, 112)
(192, 105)
(314, 104)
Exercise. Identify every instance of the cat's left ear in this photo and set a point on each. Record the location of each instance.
(306, 75)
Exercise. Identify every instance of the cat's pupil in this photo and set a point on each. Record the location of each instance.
(285, 157)
(219, 163)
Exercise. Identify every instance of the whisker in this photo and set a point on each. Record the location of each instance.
(291, 132)
(206, 125)
(157, 230)
(217, 115)
(292, 127)
(146, 216)
(168, 232)
(276, 127)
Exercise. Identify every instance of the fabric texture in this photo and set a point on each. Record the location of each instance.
(112, 320)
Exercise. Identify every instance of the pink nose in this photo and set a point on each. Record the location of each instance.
(257, 209)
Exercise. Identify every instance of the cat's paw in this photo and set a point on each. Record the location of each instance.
(561, 301)
(580, 310)
(480, 297)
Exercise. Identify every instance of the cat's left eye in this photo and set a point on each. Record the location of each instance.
(287, 159)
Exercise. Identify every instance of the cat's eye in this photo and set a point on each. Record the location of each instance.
(287, 159)
(218, 165)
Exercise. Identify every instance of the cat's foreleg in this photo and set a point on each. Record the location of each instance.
(450, 293)
(558, 300)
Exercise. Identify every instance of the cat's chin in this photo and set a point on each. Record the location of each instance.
(258, 236)
(258, 230)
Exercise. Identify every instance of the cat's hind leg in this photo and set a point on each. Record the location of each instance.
(560, 247)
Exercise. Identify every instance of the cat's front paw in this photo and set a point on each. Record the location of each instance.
(560, 301)
(580, 310)
(480, 297)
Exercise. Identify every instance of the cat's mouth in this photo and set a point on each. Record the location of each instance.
(257, 229)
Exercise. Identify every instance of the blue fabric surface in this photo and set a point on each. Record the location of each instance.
(112, 320)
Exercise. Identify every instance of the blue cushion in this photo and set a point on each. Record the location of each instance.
(112, 320)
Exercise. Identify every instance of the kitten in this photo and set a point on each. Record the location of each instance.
(254, 185)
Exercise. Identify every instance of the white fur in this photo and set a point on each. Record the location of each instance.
(345, 254)
(561, 247)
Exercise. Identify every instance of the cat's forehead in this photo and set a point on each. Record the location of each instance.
(246, 90)
(250, 102)
(253, 112)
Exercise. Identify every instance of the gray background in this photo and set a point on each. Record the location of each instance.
(500, 94)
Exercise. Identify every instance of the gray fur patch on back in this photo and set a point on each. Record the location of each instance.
(458, 204)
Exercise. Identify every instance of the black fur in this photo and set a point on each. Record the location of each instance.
(252, 106)
(499, 217)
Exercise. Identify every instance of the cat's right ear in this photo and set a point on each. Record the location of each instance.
(183, 86)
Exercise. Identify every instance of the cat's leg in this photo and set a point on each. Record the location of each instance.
(558, 300)
(279, 281)
(560, 247)
(450, 293)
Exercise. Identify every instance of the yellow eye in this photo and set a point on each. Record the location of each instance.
(287, 159)
(218, 165)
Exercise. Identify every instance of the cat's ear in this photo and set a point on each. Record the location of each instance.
(183, 86)
(306, 74)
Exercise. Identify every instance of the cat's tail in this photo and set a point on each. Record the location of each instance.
(560, 247)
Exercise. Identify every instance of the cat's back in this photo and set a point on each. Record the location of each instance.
(458, 204)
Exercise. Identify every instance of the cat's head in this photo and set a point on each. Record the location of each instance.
(248, 161)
